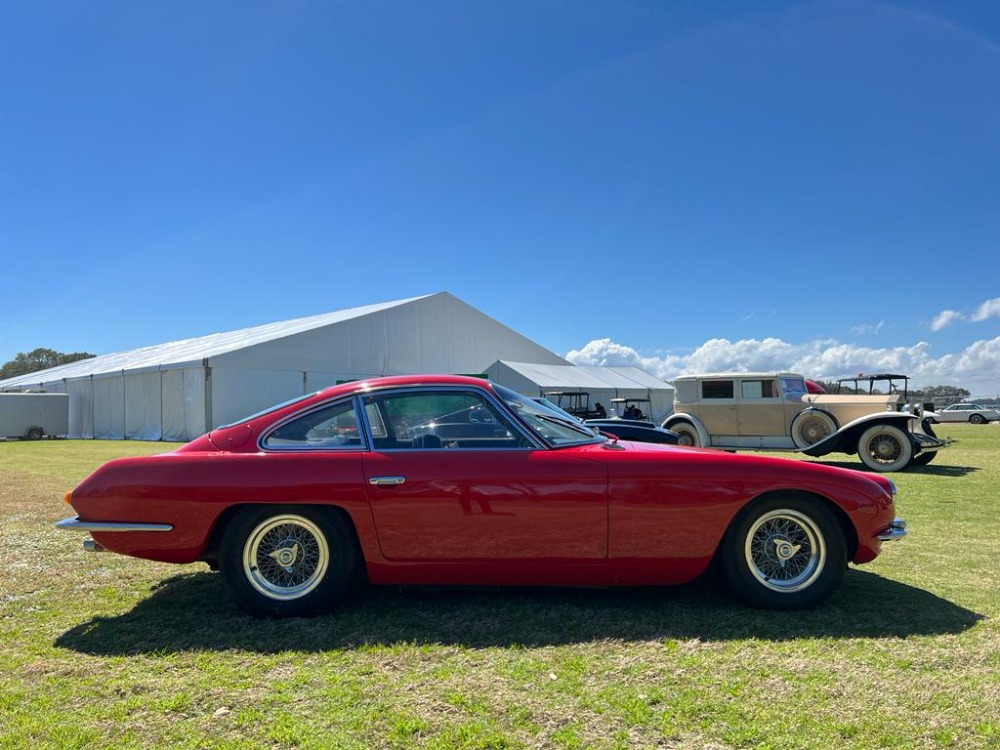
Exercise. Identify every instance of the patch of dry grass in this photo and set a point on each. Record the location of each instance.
(100, 650)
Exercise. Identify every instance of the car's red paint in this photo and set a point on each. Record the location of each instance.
(591, 514)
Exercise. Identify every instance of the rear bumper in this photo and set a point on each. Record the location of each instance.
(896, 530)
(75, 524)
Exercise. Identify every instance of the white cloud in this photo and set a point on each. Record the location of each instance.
(989, 309)
(868, 328)
(977, 367)
(945, 317)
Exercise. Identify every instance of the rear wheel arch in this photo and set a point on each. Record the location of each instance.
(214, 544)
(689, 432)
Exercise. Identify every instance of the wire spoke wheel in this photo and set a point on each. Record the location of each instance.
(785, 550)
(885, 448)
(286, 557)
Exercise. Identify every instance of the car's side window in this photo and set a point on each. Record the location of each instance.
(717, 389)
(438, 420)
(758, 389)
(331, 427)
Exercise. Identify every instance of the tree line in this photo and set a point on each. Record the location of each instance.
(39, 359)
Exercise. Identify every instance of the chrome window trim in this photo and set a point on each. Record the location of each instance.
(486, 393)
(365, 442)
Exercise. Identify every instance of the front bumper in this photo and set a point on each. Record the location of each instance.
(896, 530)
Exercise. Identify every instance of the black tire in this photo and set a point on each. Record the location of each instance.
(35, 433)
(977, 419)
(785, 552)
(312, 560)
(686, 434)
(884, 448)
(924, 458)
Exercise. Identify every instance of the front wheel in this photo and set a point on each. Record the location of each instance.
(287, 562)
(885, 447)
(36, 433)
(784, 553)
(924, 458)
(686, 434)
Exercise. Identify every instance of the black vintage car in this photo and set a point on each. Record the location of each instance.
(632, 429)
(623, 429)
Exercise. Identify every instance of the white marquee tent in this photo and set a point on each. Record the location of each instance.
(178, 390)
(602, 383)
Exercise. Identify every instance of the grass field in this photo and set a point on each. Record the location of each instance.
(99, 650)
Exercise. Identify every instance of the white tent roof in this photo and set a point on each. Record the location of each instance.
(194, 351)
(587, 377)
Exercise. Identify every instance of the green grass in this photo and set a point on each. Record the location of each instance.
(101, 650)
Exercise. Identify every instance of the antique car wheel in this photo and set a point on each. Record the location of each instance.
(924, 458)
(686, 434)
(287, 561)
(784, 553)
(36, 433)
(810, 427)
(977, 419)
(885, 448)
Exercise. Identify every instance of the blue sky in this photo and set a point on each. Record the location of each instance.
(679, 185)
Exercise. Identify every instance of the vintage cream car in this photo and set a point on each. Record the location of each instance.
(774, 411)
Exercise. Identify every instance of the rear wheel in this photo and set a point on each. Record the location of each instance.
(784, 553)
(977, 419)
(885, 447)
(924, 458)
(287, 561)
(686, 434)
(35, 433)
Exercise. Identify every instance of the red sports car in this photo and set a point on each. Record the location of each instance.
(454, 480)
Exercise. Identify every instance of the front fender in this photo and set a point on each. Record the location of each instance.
(845, 439)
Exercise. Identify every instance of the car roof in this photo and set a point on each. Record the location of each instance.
(713, 375)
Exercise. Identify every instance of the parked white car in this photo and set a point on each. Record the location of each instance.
(973, 413)
(775, 411)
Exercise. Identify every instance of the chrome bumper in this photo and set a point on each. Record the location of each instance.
(896, 530)
(75, 524)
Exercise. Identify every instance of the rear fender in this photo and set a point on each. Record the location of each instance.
(676, 417)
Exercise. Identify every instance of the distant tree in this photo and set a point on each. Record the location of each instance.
(39, 359)
(945, 394)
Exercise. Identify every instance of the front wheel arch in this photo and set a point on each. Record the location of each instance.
(839, 540)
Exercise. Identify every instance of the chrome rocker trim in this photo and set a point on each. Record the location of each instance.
(896, 530)
(75, 524)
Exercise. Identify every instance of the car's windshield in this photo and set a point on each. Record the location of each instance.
(553, 426)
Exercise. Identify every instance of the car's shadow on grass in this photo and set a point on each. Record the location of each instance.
(194, 612)
(937, 470)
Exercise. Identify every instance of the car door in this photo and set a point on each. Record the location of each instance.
(717, 408)
(499, 498)
(761, 410)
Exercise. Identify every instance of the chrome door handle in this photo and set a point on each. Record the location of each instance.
(386, 481)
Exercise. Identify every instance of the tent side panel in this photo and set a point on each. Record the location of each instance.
(183, 404)
(109, 408)
(81, 408)
(240, 393)
(143, 420)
